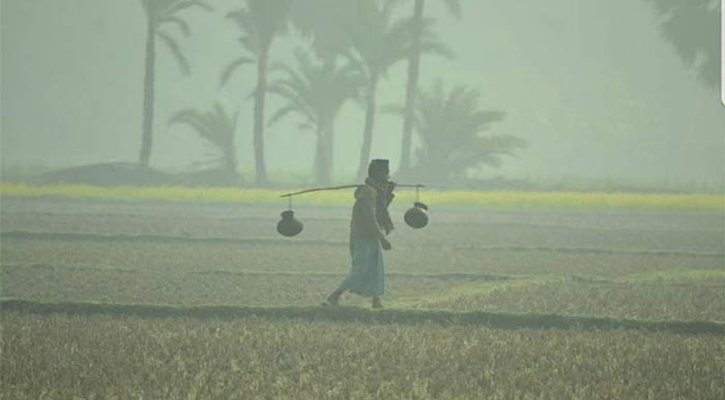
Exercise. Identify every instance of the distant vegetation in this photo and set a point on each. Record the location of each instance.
(348, 46)
(315, 92)
(446, 158)
(217, 128)
(160, 14)
(692, 27)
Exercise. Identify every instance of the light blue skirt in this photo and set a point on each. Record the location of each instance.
(367, 273)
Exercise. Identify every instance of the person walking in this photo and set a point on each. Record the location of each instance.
(369, 227)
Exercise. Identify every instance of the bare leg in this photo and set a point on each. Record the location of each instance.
(377, 303)
(334, 298)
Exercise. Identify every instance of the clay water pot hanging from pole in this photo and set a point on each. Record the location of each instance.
(417, 216)
(289, 226)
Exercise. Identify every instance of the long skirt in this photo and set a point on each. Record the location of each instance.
(367, 273)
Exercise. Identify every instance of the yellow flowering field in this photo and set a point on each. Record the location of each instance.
(498, 199)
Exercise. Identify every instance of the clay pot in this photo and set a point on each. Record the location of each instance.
(417, 216)
(289, 225)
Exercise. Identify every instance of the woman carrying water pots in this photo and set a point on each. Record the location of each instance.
(369, 228)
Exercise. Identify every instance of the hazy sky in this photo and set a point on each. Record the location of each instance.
(590, 84)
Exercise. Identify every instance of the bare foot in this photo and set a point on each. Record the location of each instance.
(332, 300)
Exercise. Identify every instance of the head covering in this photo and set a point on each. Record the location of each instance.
(379, 169)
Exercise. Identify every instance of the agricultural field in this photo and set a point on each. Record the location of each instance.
(166, 293)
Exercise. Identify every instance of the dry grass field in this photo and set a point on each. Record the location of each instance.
(198, 298)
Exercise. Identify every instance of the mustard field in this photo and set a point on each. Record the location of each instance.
(494, 199)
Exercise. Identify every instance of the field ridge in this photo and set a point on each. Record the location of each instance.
(445, 276)
(79, 236)
(354, 314)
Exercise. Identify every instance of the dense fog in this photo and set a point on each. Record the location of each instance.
(597, 90)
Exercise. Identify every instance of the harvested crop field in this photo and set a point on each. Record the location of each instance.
(132, 298)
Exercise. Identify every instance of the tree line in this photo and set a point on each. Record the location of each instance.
(352, 44)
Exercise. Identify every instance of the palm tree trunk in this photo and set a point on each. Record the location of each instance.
(230, 161)
(411, 89)
(259, 99)
(329, 146)
(328, 131)
(367, 142)
(322, 171)
(148, 98)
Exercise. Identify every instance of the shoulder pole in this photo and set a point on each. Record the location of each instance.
(345, 187)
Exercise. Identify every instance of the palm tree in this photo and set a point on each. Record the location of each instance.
(378, 43)
(420, 26)
(217, 129)
(324, 22)
(693, 29)
(260, 22)
(161, 13)
(450, 127)
(316, 92)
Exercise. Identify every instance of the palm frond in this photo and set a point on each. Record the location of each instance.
(293, 89)
(281, 113)
(275, 66)
(487, 151)
(266, 19)
(430, 42)
(250, 39)
(175, 51)
(231, 67)
(180, 23)
(293, 99)
(396, 43)
(378, 41)
(314, 90)
(324, 22)
(192, 118)
(216, 127)
(450, 125)
(259, 22)
(185, 4)
(438, 49)
(311, 121)
(693, 29)
(241, 18)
